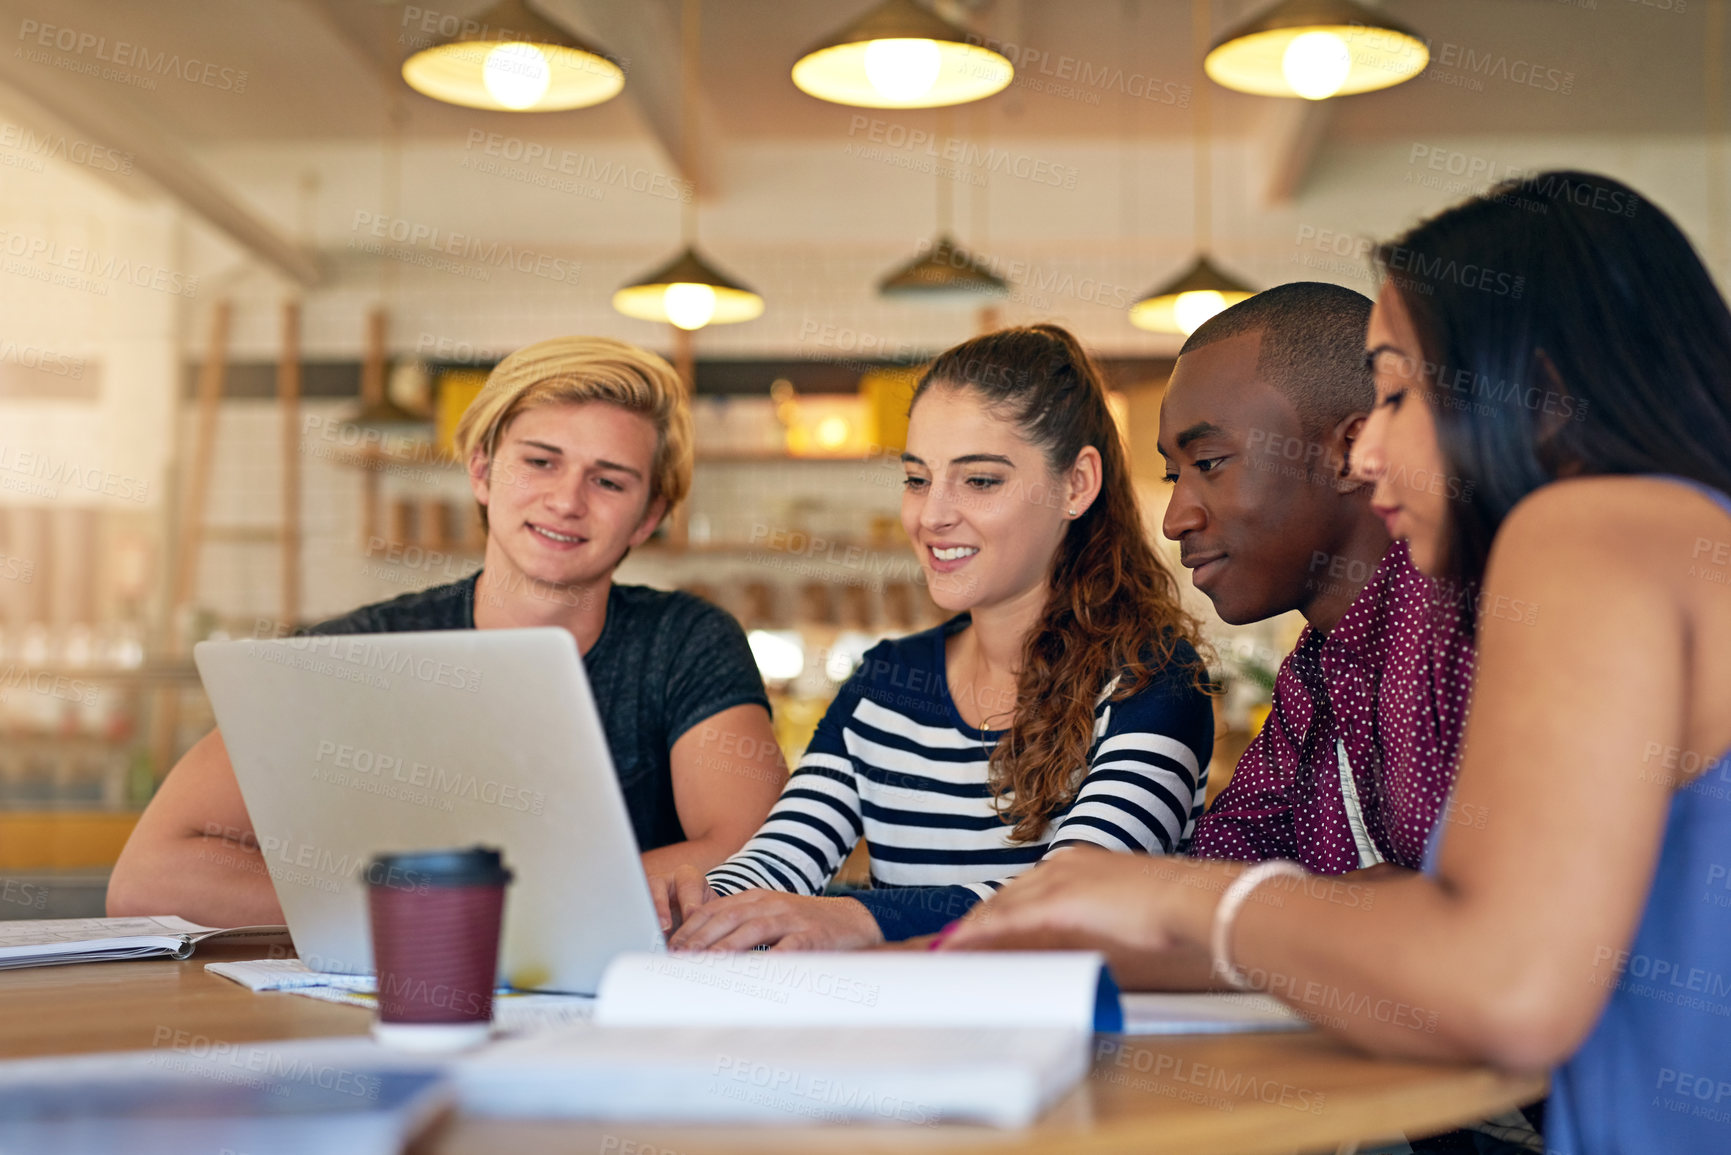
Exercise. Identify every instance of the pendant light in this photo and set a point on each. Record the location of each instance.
(1316, 49)
(900, 55)
(508, 59)
(947, 274)
(688, 291)
(1182, 304)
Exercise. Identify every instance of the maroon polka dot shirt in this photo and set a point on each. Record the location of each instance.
(1390, 683)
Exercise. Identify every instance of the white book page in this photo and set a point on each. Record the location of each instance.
(1001, 1076)
(1032, 989)
(50, 931)
(282, 974)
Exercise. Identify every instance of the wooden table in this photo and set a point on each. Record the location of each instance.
(1231, 1095)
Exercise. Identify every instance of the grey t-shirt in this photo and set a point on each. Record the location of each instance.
(664, 662)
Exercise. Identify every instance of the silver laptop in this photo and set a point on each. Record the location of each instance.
(346, 747)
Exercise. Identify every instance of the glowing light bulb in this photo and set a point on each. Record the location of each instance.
(903, 70)
(516, 75)
(1193, 308)
(832, 432)
(688, 304)
(846, 654)
(1316, 64)
(780, 654)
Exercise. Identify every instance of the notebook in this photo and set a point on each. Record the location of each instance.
(58, 941)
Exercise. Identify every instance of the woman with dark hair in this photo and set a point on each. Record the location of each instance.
(1553, 437)
(1064, 705)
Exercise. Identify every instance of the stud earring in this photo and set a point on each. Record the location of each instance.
(1072, 513)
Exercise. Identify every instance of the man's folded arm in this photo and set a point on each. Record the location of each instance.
(193, 852)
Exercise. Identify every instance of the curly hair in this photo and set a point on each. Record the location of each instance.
(1112, 620)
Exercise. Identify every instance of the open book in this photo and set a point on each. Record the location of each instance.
(784, 1037)
(56, 941)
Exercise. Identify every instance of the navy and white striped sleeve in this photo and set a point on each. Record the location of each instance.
(1146, 782)
(1147, 776)
(815, 823)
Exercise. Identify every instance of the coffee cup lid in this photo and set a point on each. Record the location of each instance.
(470, 866)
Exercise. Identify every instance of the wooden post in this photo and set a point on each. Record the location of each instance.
(685, 359)
(196, 490)
(372, 392)
(685, 364)
(86, 549)
(288, 391)
(48, 561)
(373, 368)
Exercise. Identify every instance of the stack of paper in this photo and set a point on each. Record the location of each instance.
(514, 1012)
(998, 1076)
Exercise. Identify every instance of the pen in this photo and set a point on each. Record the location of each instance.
(938, 939)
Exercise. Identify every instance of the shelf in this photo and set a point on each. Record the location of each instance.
(782, 457)
(457, 551)
(741, 548)
(244, 534)
(659, 548)
(433, 459)
(63, 839)
(378, 459)
(149, 672)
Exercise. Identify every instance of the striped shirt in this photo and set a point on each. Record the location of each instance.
(893, 762)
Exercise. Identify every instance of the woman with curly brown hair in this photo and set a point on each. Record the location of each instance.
(1063, 705)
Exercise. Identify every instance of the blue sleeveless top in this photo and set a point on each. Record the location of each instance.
(1654, 1076)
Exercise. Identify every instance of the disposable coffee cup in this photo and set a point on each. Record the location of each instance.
(435, 918)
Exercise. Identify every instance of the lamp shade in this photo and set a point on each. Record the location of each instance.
(688, 292)
(948, 274)
(899, 55)
(1316, 49)
(511, 60)
(1184, 303)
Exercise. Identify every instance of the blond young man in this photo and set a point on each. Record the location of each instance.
(576, 448)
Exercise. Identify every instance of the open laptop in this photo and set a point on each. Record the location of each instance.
(348, 746)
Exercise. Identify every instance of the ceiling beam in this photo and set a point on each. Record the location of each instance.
(1285, 142)
(357, 28)
(38, 118)
(1287, 139)
(643, 35)
(158, 156)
